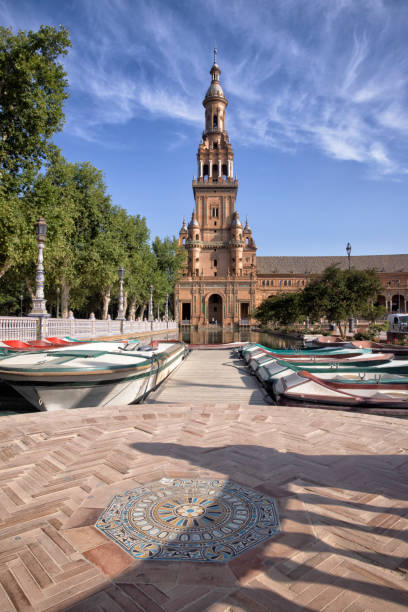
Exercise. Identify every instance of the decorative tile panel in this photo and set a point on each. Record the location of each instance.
(189, 520)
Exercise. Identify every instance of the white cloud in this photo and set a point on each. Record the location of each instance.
(328, 75)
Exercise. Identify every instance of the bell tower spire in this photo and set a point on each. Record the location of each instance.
(220, 275)
(215, 157)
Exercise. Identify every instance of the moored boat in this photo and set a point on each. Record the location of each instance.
(306, 387)
(333, 360)
(249, 350)
(270, 372)
(94, 374)
(261, 357)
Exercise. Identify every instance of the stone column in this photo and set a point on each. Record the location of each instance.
(210, 169)
(219, 168)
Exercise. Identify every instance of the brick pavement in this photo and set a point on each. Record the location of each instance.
(339, 479)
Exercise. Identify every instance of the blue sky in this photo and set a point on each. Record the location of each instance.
(317, 115)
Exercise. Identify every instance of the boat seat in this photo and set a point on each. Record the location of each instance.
(130, 346)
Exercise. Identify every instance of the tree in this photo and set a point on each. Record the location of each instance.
(137, 262)
(336, 295)
(32, 91)
(285, 309)
(170, 258)
(83, 244)
(339, 295)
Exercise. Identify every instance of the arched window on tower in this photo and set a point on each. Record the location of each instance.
(205, 172)
(224, 172)
(215, 172)
(215, 122)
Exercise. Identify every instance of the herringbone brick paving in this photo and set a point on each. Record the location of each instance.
(339, 479)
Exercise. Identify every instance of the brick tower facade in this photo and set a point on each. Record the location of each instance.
(219, 280)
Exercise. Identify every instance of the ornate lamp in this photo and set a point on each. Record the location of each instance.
(39, 303)
(166, 311)
(351, 319)
(121, 314)
(150, 316)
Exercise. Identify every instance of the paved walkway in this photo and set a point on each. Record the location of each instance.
(209, 375)
(339, 479)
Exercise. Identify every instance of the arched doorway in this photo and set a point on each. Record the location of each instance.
(215, 309)
(398, 303)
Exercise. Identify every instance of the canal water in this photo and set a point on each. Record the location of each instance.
(218, 335)
(12, 403)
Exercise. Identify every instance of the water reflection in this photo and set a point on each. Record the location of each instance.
(219, 335)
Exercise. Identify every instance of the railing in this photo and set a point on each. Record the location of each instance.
(22, 328)
(32, 328)
(244, 322)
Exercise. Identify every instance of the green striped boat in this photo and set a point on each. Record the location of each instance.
(94, 374)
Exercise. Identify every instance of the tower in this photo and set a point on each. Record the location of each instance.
(220, 275)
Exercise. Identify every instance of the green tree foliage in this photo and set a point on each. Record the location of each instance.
(32, 91)
(336, 296)
(169, 262)
(340, 294)
(284, 309)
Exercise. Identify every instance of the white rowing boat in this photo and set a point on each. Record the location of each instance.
(94, 374)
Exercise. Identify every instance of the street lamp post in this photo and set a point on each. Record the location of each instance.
(166, 311)
(348, 251)
(158, 312)
(58, 296)
(150, 316)
(21, 304)
(39, 309)
(399, 296)
(307, 322)
(121, 314)
(351, 319)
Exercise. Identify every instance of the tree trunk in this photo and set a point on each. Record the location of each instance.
(4, 269)
(65, 291)
(29, 288)
(125, 302)
(342, 329)
(106, 297)
(132, 309)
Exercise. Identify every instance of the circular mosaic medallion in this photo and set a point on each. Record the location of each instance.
(185, 520)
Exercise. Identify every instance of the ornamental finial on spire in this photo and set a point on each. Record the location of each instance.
(215, 54)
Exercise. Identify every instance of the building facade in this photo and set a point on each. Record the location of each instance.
(224, 280)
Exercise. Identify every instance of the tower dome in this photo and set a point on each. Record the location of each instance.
(193, 222)
(215, 90)
(183, 227)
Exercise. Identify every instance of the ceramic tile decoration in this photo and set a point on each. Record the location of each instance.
(189, 520)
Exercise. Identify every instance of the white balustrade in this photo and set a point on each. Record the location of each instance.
(28, 328)
(18, 328)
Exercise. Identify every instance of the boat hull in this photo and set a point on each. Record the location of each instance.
(91, 390)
